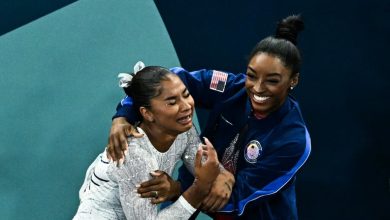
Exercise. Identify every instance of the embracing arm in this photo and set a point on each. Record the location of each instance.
(209, 87)
(201, 87)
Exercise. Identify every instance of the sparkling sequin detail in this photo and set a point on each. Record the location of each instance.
(117, 199)
(230, 156)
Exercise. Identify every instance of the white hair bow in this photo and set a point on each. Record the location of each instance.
(125, 78)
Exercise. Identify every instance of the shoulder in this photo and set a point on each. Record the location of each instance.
(289, 132)
(139, 146)
(292, 134)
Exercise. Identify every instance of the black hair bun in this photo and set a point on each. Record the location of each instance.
(289, 28)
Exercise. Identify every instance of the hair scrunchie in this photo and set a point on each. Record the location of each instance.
(125, 78)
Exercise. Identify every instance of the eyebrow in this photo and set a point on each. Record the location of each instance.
(274, 74)
(251, 69)
(271, 74)
(174, 97)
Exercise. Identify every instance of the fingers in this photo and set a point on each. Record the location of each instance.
(150, 183)
(207, 203)
(114, 148)
(198, 157)
(110, 153)
(133, 132)
(223, 204)
(122, 144)
(209, 147)
(207, 142)
(150, 194)
(214, 203)
(110, 148)
(118, 144)
(154, 184)
(158, 200)
(216, 206)
(156, 173)
(128, 130)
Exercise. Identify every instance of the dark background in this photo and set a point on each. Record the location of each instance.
(343, 89)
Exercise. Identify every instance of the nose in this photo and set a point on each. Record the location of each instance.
(185, 105)
(258, 86)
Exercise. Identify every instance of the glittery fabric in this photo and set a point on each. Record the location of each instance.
(108, 192)
(230, 156)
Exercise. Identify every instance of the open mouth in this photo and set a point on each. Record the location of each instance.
(185, 120)
(260, 99)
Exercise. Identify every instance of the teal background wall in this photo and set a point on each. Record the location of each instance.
(59, 89)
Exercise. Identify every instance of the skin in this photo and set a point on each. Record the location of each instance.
(172, 110)
(268, 83)
(169, 115)
(175, 98)
(205, 174)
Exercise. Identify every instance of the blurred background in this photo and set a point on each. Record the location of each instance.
(58, 66)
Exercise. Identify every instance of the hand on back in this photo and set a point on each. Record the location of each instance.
(117, 143)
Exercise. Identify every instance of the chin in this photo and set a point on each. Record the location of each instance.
(260, 109)
(183, 128)
(188, 127)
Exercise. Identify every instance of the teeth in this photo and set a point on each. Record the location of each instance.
(185, 119)
(260, 98)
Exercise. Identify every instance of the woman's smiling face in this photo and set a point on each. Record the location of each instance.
(268, 83)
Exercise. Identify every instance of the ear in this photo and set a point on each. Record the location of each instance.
(294, 80)
(146, 114)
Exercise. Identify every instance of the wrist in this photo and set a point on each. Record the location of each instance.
(197, 193)
(119, 120)
(176, 190)
(202, 188)
(228, 178)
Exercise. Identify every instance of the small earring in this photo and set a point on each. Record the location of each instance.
(291, 87)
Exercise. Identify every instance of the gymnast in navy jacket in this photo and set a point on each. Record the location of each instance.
(255, 125)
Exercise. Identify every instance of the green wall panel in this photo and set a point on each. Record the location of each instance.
(58, 92)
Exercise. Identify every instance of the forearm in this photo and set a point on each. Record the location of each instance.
(197, 193)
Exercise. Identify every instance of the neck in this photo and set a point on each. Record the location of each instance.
(160, 139)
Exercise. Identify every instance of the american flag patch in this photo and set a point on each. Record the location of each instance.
(218, 81)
